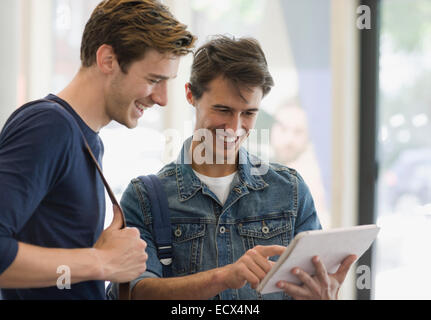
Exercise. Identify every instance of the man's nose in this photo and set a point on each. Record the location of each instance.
(235, 123)
(160, 94)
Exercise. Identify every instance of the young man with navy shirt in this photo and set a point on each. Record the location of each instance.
(229, 211)
(52, 202)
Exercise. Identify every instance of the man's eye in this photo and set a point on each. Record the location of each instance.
(221, 110)
(153, 81)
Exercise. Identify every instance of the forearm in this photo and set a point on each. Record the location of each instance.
(199, 286)
(36, 267)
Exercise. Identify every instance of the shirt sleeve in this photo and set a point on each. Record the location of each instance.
(137, 210)
(33, 156)
(136, 207)
(307, 218)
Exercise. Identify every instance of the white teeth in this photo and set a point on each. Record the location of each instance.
(227, 139)
(141, 107)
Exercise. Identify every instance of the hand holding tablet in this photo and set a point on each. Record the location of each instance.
(331, 246)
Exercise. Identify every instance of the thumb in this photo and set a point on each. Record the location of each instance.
(117, 221)
(342, 271)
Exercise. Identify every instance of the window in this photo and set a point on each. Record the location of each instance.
(403, 206)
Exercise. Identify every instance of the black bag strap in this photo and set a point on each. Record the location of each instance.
(161, 222)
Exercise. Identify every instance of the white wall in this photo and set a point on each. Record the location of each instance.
(345, 131)
(9, 57)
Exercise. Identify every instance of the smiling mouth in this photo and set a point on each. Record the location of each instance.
(141, 107)
(228, 140)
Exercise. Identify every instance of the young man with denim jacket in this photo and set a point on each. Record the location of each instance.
(229, 211)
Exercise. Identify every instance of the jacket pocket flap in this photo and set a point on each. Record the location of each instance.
(186, 232)
(264, 228)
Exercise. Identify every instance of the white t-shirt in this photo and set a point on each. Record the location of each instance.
(221, 186)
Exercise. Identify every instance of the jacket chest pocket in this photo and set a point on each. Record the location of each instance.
(265, 232)
(187, 248)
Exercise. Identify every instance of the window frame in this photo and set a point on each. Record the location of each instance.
(368, 110)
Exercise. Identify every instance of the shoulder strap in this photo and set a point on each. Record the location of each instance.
(124, 288)
(161, 221)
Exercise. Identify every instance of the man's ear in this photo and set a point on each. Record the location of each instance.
(189, 94)
(106, 59)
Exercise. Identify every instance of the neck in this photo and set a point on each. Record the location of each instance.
(212, 170)
(85, 96)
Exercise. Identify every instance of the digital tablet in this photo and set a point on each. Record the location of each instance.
(332, 246)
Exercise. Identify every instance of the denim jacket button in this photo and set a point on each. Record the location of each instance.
(222, 230)
(265, 229)
(178, 233)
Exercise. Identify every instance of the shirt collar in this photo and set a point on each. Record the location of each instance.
(250, 172)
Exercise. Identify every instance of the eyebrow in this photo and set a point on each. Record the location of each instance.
(158, 76)
(221, 106)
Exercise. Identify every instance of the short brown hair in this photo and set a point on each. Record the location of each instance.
(131, 28)
(242, 61)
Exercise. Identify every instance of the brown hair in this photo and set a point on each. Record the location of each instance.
(131, 28)
(242, 61)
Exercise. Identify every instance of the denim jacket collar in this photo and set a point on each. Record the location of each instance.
(248, 173)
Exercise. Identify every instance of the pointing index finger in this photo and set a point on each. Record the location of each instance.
(269, 251)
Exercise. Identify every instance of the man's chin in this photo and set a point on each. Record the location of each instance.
(133, 125)
(130, 124)
(226, 156)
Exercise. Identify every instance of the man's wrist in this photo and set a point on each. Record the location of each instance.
(97, 267)
(219, 278)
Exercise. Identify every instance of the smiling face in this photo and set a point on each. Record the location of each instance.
(129, 94)
(227, 113)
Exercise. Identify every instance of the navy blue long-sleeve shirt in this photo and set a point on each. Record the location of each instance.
(50, 192)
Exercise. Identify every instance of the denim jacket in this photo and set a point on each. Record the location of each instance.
(266, 209)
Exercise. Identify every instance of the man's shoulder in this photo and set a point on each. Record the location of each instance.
(268, 170)
(138, 191)
(165, 175)
(281, 172)
(282, 169)
(168, 171)
(41, 114)
(44, 125)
